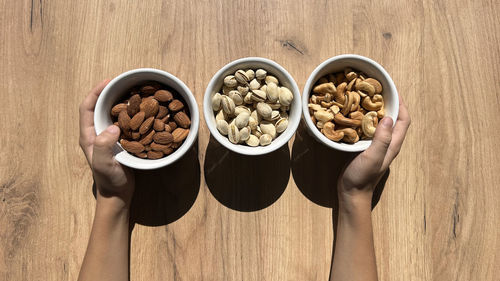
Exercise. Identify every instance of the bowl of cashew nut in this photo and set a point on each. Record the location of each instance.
(344, 99)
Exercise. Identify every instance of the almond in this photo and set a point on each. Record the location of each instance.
(158, 125)
(147, 148)
(165, 119)
(133, 105)
(182, 120)
(176, 105)
(165, 148)
(132, 146)
(180, 134)
(147, 139)
(136, 135)
(124, 120)
(168, 128)
(172, 125)
(137, 120)
(163, 96)
(148, 89)
(155, 154)
(163, 137)
(126, 134)
(149, 106)
(146, 125)
(142, 155)
(117, 109)
(162, 112)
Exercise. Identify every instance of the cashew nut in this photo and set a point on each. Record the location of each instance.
(376, 85)
(371, 105)
(323, 115)
(351, 84)
(350, 135)
(381, 112)
(356, 115)
(368, 123)
(342, 120)
(340, 95)
(329, 132)
(325, 88)
(356, 100)
(365, 87)
(348, 103)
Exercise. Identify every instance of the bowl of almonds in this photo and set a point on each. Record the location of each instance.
(157, 115)
(252, 106)
(344, 99)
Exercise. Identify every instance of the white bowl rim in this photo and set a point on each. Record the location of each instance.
(148, 164)
(357, 147)
(248, 150)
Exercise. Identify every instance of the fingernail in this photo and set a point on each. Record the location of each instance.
(113, 129)
(387, 122)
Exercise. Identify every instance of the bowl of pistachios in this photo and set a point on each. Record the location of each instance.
(252, 106)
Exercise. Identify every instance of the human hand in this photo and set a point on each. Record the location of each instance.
(112, 179)
(362, 174)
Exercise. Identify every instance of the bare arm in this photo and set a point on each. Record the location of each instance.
(107, 252)
(354, 257)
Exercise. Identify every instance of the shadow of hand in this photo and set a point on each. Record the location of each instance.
(316, 169)
(164, 195)
(246, 183)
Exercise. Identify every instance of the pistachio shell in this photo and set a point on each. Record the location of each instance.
(230, 81)
(216, 102)
(222, 127)
(244, 134)
(264, 110)
(254, 84)
(252, 141)
(260, 74)
(281, 125)
(265, 139)
(258, 95)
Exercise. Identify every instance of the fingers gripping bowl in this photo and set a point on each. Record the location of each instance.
(354, 67)
(119, 87)
(237, 103)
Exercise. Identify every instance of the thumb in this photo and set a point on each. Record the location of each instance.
(103, 147)
(381, 140)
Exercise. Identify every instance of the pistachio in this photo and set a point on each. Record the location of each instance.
(264, 110)
(242, 120)
(257, 132)
(226, 90)
(260, 74)
(275, 105)
(252, 123)
(233, 133)
(281, 125)
(243, 90)
(248, 98)
(271, 79)
(252, 141)
(228, 105)
(275, 115)
(240, 109)
(272, 92)
(222, 127)
(236, 97)
(230, 81)
(244, 134)
(263, 88)
(241, 77)
(268, 128)
(258, 95)
(255, 116)
(285, 96)
(220, 115)
(254, 84)
(250, 74)
(265, 139)
(216, 102)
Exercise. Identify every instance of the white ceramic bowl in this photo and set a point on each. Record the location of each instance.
(360, 63)
(118, 87)
(272, 68)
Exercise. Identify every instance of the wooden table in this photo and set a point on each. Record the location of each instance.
(240, 218)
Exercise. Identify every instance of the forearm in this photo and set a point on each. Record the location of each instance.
(107, 253)
(354, 257)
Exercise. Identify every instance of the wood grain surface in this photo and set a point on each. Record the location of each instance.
(216, 215)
